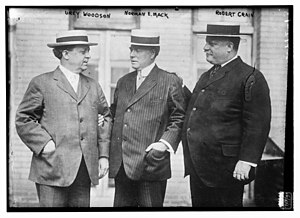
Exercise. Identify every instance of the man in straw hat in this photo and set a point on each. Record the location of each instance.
(57, 120)
(227, 123)
(148, 111)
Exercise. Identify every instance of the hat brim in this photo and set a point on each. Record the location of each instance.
(54, 45)
(145, 45)
(220, 35)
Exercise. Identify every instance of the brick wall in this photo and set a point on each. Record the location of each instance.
(31, 57)
(271, 58)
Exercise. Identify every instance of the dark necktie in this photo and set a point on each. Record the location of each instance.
(214, 70)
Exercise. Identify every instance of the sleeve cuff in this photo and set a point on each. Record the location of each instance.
(170, 149)
(249, 163)
(41, 149)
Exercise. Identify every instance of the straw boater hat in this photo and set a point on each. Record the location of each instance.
(144, 38)
(71, 37)
(223, 30)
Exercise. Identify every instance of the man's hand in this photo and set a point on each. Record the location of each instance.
(100, 120)
(49, 147)
(103, 167)
(157, 146)
(241, 171)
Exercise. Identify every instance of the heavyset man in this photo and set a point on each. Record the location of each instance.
(227, 123)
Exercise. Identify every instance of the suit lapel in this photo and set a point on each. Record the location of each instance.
(131, 85)
(146, 86)
(203, 81)
(63, 83)
(219, 75)
(127, 91)
(83, 88)
(221, 72)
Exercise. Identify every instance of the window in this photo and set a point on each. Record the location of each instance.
(119, 58)
(109, 61)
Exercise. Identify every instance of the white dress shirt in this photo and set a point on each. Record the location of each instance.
(222, 65)
(142, 74)
(73, 78)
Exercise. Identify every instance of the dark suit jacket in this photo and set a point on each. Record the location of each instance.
(155, 111)
(51, 109)
(228, 119)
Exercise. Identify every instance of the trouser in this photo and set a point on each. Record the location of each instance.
(130, 193)
(75, 195)
(204, 196)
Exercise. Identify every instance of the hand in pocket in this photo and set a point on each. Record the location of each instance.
(49, 147)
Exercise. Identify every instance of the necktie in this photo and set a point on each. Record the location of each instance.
(140, 79)
(214, 70)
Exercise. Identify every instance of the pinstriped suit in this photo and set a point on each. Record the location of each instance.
(152, 112)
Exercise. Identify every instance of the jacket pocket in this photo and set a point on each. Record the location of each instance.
(231, 150)
(48, 158)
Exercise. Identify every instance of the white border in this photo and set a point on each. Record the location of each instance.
(3, 132)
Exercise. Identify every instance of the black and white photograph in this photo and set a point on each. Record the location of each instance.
(149, 108)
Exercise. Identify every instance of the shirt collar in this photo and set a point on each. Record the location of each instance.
(69, 74)
(145, 72)
(222, 65)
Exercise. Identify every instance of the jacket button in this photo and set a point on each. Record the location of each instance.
(128, 110)
(203, 90)
(81, 138)
(188, 129)
(194, 109)
(81, 119)
(125, 125)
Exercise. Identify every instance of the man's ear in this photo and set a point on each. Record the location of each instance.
(65, 54)
(230, 46)
(153, 53)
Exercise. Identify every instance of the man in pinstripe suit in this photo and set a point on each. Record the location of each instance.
(148, 111)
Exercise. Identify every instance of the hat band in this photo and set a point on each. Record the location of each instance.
(72, 38)
(145, 40)
(223, 30)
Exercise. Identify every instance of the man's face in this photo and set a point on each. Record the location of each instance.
(141, 57)
(78, 58)
(217, 51)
